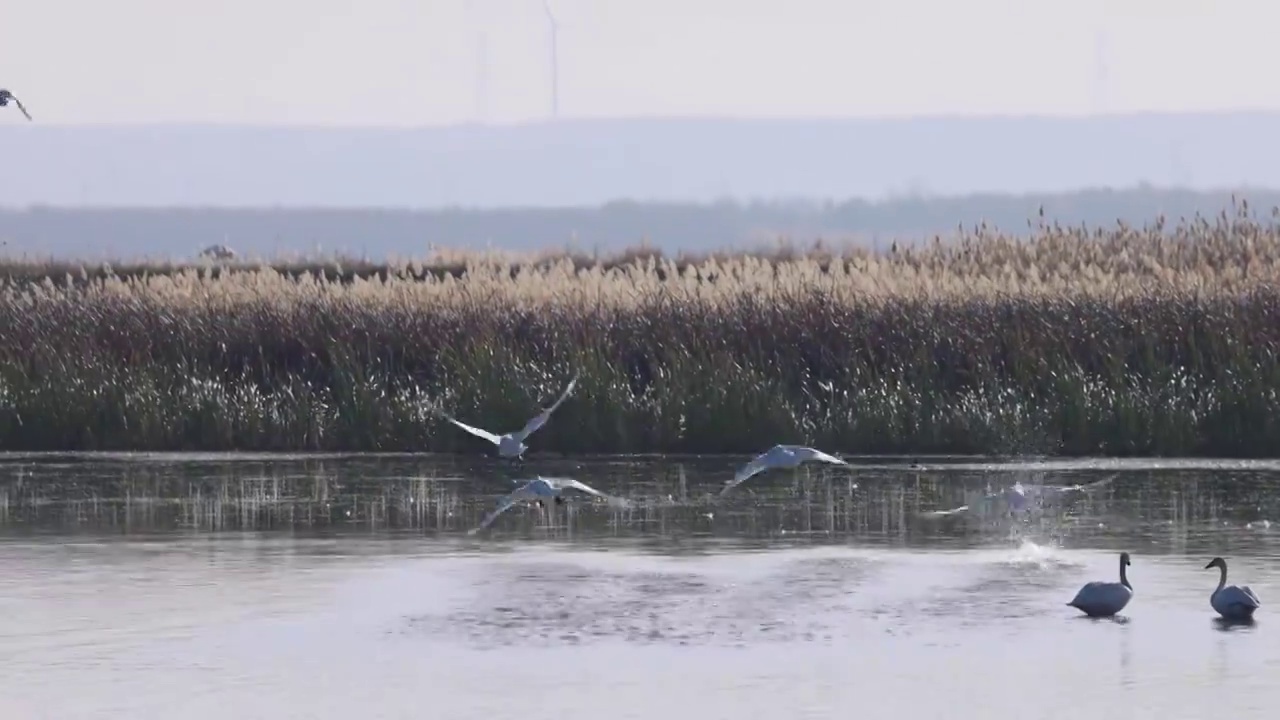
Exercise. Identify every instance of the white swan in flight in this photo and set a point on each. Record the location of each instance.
(1015, 497)
(780, 457)
(511, 445)
(1056, 492)
(1232, 602)
(6, 96)
(541, 489)
(1018, 498)
(1104, 599)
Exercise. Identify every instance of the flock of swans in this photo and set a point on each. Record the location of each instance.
(1105, 599)
(541, 490)
(1095, 599)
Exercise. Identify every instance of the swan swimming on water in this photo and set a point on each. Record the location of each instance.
(541, 489)
(1232, 602)
(780, 456)
(1104, 599)
(511, 445)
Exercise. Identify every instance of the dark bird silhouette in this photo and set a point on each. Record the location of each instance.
(6, 96)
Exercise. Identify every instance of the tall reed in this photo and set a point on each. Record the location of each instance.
(1161, 340)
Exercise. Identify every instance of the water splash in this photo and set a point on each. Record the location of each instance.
(1029, 553)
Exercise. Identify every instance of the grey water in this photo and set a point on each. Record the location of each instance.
(308, 586)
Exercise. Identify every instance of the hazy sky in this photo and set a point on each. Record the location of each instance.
(414, 62)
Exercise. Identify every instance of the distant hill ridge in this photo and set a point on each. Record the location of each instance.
(560, 180)
(124, 234)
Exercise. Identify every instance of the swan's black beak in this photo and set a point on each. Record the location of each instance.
(1206, 567)
(559, 500)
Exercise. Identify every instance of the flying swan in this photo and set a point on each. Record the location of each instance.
(780, 457)
(1104, 599)
(540, 489)
(1231, 602)
(512, 444)
(6, 96)
(1056, 492)
(1017, 497)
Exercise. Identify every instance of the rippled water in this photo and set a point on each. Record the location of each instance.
(313, 587)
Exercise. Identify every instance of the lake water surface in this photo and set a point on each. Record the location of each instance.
(207, 586)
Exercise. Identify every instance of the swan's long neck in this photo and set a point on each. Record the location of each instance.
(1124, 579)
(1222, 578)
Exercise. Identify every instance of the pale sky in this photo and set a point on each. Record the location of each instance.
(407, 62)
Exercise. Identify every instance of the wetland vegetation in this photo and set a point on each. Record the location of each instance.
(1162, 340)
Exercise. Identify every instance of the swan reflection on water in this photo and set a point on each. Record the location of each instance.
(1225, 625)
(1117, 619)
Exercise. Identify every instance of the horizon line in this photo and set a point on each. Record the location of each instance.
(652, 119)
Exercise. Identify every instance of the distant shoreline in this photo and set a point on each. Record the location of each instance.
(132, 236)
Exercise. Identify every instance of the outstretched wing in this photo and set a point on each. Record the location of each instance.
(945, 513)
(475, 430)
(981, 503)
(541, 418)
(807, 453)
(757, 465)
(504, 502)
(565, 483)
(18, 102)
(1082, 488)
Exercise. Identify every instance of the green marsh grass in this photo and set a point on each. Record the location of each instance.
(1160, 340)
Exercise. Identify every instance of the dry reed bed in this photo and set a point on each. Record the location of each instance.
(1132, 341)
